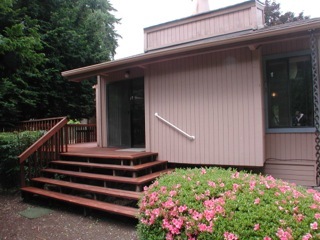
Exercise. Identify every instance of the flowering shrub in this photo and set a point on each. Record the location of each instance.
(213, 203)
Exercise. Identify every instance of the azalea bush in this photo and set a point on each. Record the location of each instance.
(213, 203)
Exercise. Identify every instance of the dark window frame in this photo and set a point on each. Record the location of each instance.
(289, 129)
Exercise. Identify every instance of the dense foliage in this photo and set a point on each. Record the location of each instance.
(273, 15)
(38, 40)
(213, 203)
(11, 145)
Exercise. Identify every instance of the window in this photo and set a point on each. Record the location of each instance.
(289, 94)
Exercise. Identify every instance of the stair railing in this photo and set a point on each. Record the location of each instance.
(175, 127)
(45, 149)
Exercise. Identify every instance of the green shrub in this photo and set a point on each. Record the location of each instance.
(12, 144)
(213, 203)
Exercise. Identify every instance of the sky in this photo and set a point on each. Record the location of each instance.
(139, 14)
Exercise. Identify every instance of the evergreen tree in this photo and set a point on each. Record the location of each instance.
(55, 35)
(20, 61)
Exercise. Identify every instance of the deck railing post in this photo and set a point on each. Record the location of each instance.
(22, 176)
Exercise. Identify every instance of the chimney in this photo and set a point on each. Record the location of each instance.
(201, 6)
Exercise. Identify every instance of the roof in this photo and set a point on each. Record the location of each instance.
(238, 39)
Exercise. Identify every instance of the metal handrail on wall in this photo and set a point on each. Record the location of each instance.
(192, 138)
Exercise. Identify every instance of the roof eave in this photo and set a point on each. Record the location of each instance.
(93, 70)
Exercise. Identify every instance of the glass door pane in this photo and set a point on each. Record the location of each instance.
(119, 126)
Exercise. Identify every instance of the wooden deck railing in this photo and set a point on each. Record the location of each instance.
(45, 149)
(81, 133)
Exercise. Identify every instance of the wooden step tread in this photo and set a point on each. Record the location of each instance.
(111, 155)
(103, 206)
(111, 166)
(136, 181)
(92, 189)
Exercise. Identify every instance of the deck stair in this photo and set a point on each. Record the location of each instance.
(111, 182)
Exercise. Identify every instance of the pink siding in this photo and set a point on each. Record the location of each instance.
(215, 97)
(290, 146)
(302, 172)
(291, 157)
(202, 26)
(286, 46)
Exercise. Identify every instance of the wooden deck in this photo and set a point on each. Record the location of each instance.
(91, 149)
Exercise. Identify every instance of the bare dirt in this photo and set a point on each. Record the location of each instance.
(63, 223)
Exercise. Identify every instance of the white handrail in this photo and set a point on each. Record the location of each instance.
(175, 127)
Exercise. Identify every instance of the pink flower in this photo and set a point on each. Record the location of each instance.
(204, 228)
(230, 236)
(196, 215)
(221, 184)
(314, 226)
(284, 189)
(298, 217)
(284, 235)
(235, 175)
(163, 189)
(169, 236)
(156, 212)
(257, 201)
(316, 197)
(173, 193)
(182, 208)
(256, 227)
(235, 187)
(252, 185)
(168, 204)
(203, 171)
(267, 238)
(307, 236)
(313, 206)
(317, 216)
(211, 184)
(177, 223)
(209, 214)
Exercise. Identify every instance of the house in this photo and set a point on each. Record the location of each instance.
(217, 88)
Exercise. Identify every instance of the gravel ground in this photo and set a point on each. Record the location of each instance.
(64, 223)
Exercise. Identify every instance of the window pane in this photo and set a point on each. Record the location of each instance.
(278, 94)
(301, 92)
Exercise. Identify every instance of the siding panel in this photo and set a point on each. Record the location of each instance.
(202, 26)
(209, 96)
(291, 157)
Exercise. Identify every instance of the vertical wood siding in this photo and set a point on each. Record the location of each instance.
(215, 23)
(290, 146)
(291, 157)
(286, 47)
(215, 97)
